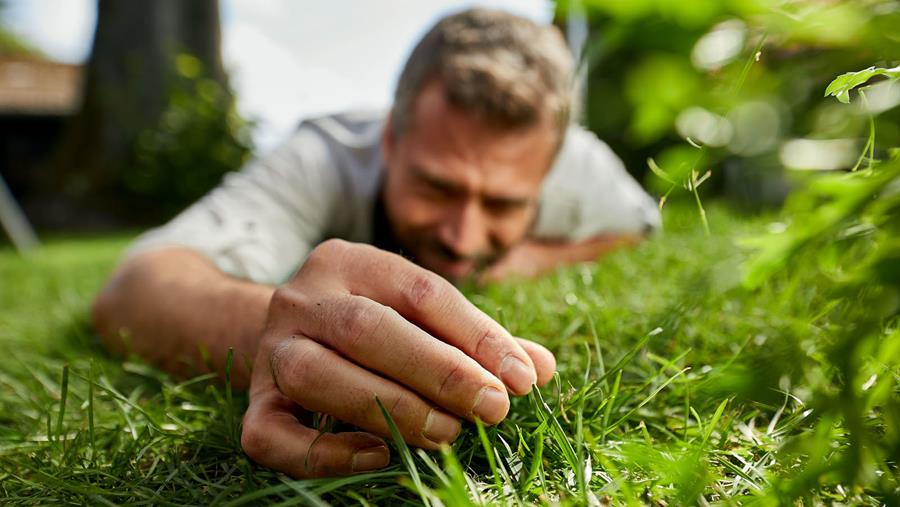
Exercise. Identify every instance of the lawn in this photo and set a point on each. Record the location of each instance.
(677, 385)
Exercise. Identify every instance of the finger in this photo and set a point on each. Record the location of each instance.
(437, 306)
(272, 437)
(544, 360)
(380, 339)
(319, 379)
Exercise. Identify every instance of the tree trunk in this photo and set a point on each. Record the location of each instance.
(125, 87)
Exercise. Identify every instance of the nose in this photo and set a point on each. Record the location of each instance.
(465, 230)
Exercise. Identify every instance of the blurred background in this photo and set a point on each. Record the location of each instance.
(118, 114)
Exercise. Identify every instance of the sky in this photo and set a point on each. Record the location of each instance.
(288, 59)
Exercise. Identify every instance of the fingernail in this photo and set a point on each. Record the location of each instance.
(491, 405)
(517, 375)
(440, 427)
(371, 459)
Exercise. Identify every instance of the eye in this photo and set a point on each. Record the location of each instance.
(504, 206)
(434, 189)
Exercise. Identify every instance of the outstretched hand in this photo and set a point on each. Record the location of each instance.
(356, 323)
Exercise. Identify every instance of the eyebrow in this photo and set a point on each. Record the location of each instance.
(426, 175)
(505, 200)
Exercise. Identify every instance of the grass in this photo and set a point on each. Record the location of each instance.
(676, 386)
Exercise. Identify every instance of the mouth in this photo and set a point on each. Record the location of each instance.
(453, 270)
(433, 255)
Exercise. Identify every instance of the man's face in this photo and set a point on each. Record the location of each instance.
(460, 192)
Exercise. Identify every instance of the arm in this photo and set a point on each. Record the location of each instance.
(330, 340)
(168, 305)
(534, 257)
(183, 296)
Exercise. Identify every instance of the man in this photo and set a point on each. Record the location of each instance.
(460, 179)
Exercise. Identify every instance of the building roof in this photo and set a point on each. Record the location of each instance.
(30, 86)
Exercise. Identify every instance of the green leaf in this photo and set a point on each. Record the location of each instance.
(841, 86)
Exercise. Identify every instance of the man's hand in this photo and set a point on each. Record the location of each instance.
(356, 323)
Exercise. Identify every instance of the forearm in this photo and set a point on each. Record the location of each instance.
(177, 310)
(535, 257)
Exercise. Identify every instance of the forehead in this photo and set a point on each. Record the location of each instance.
(462, 148)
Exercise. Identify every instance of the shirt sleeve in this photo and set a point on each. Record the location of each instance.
(589, 192)
(261, 223)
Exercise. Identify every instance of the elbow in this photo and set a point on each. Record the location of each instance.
(102, 315)
(103, 308)
(108, 313)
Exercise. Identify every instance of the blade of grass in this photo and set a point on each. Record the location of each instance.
(460, 486)
(489, 453)
(601, 366)
(230, 426)
(536, 460)
(406, 456)
(91, 428)
(305, 496)
(610, 401)
(714, 421)
(557, 433)
(644, 401)
(63, 396)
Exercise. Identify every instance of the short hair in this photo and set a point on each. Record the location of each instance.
(508, 70)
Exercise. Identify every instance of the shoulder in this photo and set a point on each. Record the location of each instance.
(584, 154)
(347, 147)
(350, 130)
(588, 191)
(347, 144)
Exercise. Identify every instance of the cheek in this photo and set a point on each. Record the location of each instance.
(512, 230)
(408, 211)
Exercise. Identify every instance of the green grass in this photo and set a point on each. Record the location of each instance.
(676, 386)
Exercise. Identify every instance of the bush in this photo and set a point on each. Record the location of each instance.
(846, 227)
(740, 78)
(198, 139)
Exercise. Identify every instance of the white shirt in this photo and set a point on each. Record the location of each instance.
(260, 223)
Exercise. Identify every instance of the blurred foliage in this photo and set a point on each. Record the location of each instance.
(731, 93)
(199, 138)
(738, 78)
(10, 43)
(846, 225)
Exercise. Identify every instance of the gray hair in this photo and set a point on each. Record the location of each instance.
(504, 68)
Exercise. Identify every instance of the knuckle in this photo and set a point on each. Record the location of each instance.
(285, 299)
(402, 406)
(324, 255)
(331, 247)
(360, 319)
(401, 409)
(304, 372)
(422, 291)
(279, 360)
(326, 457)
(487, 344)
(453, 379)
(254, 441)
(288, 302)
(313, 464)
(295, 365)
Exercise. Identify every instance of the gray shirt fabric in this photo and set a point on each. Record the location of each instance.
(260, 223)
